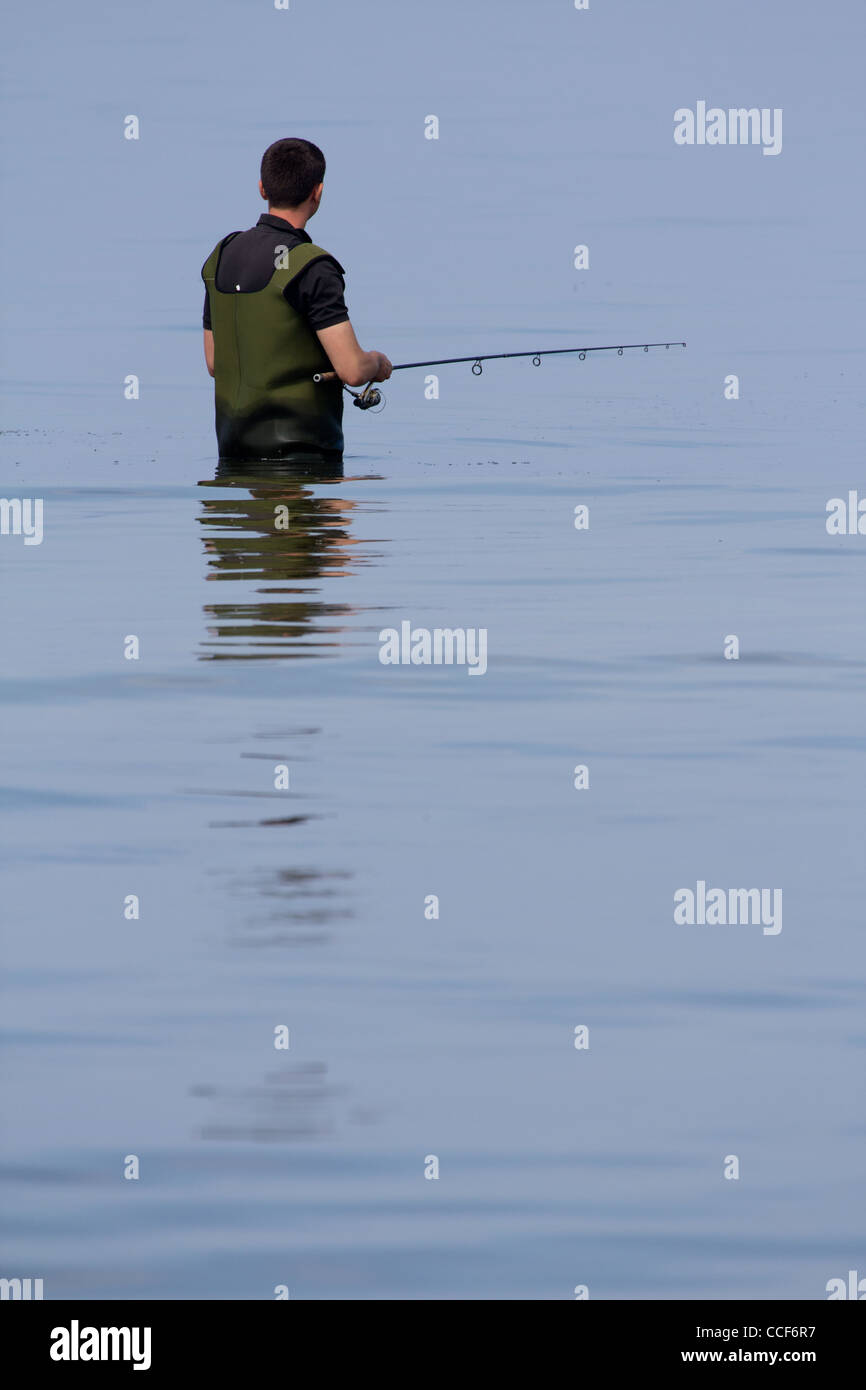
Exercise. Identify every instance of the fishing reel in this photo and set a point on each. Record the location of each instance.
(369, 398)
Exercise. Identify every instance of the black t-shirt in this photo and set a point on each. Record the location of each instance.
(248, 259)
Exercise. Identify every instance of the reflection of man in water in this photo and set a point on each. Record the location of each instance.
(277, 614)
(274, 316)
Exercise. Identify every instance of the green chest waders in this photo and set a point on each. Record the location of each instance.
(265, 356)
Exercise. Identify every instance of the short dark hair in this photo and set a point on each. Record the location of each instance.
(291, 169)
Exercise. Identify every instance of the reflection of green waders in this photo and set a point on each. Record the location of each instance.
(265, 355)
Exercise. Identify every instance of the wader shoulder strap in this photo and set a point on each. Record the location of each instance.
(298, 259)
(209, 269)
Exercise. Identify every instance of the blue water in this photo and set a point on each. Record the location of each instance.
(305, 907)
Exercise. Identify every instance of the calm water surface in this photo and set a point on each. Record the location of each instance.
(259, 649)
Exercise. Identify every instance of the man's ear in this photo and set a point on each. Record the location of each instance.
(317, 193)
(262, 190)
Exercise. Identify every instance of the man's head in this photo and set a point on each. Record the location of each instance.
(292, 174)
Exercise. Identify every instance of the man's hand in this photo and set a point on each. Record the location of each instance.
(385, 367)
(208, 350)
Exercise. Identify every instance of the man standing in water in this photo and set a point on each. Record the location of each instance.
(274, 315)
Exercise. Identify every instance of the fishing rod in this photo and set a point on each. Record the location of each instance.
(371, 396)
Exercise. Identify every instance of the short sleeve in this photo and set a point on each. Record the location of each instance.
(318, 293)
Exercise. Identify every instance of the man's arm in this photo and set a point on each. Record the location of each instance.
(208, 349)
(351, 363)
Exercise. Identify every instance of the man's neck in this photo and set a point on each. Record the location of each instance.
(298, 217)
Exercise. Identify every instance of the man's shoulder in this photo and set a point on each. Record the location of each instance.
(313, 254)
(210, 263)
